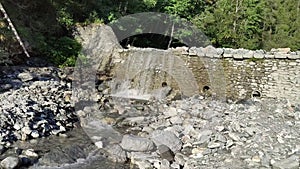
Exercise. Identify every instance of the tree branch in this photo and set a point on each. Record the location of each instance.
(13, 29)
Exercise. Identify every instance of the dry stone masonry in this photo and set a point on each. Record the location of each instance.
(244, 73)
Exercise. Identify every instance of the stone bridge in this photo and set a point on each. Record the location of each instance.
(228, 73)
(224, 72)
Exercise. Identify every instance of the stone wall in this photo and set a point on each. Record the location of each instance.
(230, 73)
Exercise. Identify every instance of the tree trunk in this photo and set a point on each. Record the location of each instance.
(171, 36)
(13, 29)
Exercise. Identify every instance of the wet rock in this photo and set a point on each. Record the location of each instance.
(10, 162)
(135, 143)
(55, 158)
(66, 155)
(25, 76)
(5, 87)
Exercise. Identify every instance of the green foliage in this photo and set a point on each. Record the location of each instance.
(253, 24)
(234, 23)
(65, 18)
(62, 51)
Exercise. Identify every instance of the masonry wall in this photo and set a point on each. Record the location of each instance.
(236, 73)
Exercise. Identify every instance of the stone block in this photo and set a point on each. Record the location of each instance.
(269, 56)
(258, 55)
(280, 56)
(238, 56)
(293, 57)
(227, 55)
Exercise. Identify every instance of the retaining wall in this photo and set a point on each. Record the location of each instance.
(232, 73)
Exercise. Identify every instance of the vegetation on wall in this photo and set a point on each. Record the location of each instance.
(47, 25)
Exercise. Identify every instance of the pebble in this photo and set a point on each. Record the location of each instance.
(35, 134)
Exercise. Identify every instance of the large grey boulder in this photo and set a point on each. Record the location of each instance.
(116, 153)
(160, 137)
(99, 43)
(136, 143)
(289, 163)
(10, 162)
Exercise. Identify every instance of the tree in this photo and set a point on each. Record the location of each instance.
(281, 24)
(233, 23)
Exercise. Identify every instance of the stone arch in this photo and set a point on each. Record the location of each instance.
(159, 23)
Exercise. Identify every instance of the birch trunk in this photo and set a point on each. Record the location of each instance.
(171, 36)
(13, 29)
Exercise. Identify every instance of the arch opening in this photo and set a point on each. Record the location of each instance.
(151, 40)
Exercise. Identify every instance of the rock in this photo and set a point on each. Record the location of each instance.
(135, 143)
(180, 158)
(204, 136)
(281, 50)
(25, 76)
(107, 43)
(99, 144)
(234, 136)
(56, 157)
(198, 152)
(289, 163)
(2, 149)
(5, 87)
(220, 137)
(165, 164)
(35, 134)
(26, 130)
(176, 120)
(133, 120)
(212, 145)
(143, 156)
(17, 126)
(142, 164)
(65, 155)
(165, 152)
(117, 154)
(160, 137)
(171, 112)
(161, 93)
(10, 162)
(30, 153)
(175, 165)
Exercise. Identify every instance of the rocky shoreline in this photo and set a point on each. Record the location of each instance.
(195, 132)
